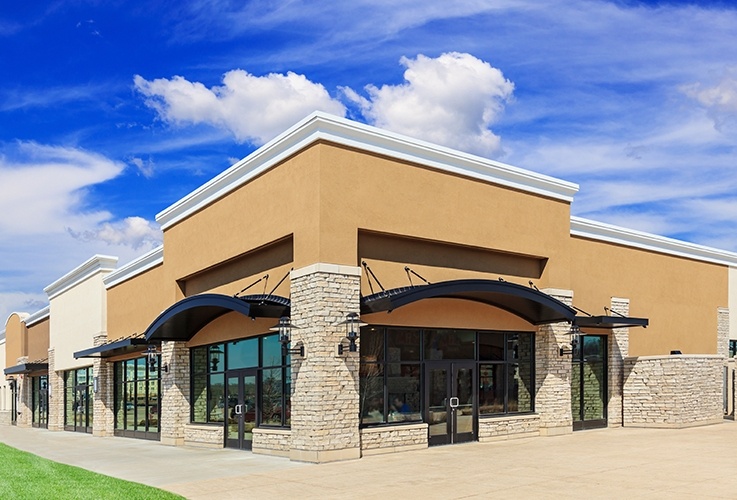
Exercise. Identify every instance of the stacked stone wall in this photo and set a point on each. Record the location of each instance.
(509, 427)
(723, 332)
(325, 386)
(617, 351)
(205, 436)
(277, 442)
(673, 391)
(378, 440)
(174, 392)
(553, 374)
(56, 395)
(103, 406)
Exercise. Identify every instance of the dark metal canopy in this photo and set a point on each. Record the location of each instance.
(188, 316)
(24, 368)
(115, 348)
(610, 322)
(528, 303)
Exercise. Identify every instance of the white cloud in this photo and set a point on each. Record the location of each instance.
(450, 100)
(135, 232)
(253, 108)
(719, 100)
(145, 167)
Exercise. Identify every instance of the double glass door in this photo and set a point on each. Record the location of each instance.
(451, 402)
(589, 383)
(242, 398)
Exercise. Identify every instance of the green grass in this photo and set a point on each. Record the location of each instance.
(27, 476)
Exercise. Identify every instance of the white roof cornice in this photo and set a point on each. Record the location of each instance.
(324, 127)
(600, 231)
(94, 265)
(38, 316)
(135, 267)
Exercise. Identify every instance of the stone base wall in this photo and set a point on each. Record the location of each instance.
(103, 405)
(204, 436)
(673, 391)
(378, 440)
(275, 442)
(174, 392)
(502, 428)
(56, 395)
(5, 417)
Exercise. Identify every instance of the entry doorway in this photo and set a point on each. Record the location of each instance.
(589, 387)
(451, 402)
(242, 398)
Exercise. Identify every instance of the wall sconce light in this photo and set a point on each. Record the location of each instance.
(352, 323)
(284, 327)
(575, 333)
(152, 355)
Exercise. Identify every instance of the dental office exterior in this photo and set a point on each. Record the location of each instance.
(471, 278)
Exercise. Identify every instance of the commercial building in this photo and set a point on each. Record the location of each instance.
(345, 291)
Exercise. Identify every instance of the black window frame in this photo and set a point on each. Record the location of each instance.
(121, 382)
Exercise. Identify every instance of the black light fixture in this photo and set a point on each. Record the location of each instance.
(352, 323)
(284, 327)
(151, 356)
(575, 333)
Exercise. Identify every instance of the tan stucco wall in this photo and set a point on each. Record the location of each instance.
(733, 303)
(38, 340)
(134, 304)
(679, 296)
(78, 315)
(15, 339)
(326, 193)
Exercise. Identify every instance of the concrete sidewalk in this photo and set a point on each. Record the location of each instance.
(609, 463)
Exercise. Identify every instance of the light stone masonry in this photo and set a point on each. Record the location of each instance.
(103, 407)
(204, 436)
(268, 441)
(673, 391)
(553, 374)
(325, 386)
(390, 439)
(56, 395)
(174, 392)
(618, 350)
(723, 332)
(508, 427)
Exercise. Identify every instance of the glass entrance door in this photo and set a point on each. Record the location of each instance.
(451, 402)
(589, 383)
(241, 417)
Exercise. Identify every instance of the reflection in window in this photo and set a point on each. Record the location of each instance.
(137, 396)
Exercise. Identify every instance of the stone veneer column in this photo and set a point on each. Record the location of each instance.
(723, 332)
(325, 392)
(102, 371)
(553, 373)
(174, 392)
(56, 395)
(618, 348)
(25, 403)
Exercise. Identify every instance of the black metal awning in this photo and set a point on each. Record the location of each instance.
(115, 348)
(528, 303)
(25, 368)
(610, 322)
(188, 316)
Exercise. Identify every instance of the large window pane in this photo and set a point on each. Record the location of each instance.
(403, 386)
(216, 357)
(199, 397)
(491, 346)
(216, 399)
(450, 344)
(242, 354)
(372, 393)
(403, 344)
(491, 389)
(271, 397)
(271, 351)
(372, 344)
(520, 388)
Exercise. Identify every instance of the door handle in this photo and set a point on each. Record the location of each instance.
(454, 403)
(239, 409)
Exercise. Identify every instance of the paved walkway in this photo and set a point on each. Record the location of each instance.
(609, 463)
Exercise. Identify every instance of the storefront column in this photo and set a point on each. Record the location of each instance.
(174, 392)
(56, 395)
(618, 349)
(325, 391)
(553, 373)
(723, 331)
(102, 373)
(25, 401)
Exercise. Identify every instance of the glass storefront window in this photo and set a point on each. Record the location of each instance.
(78, 400)
(137, 397)
(242, 354)
(450, 344)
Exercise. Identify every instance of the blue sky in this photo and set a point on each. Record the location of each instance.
(111, 111)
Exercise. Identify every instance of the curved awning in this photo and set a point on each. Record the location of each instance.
(188, 316)
(528, 303)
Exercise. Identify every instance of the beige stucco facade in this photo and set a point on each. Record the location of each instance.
(333, 212)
